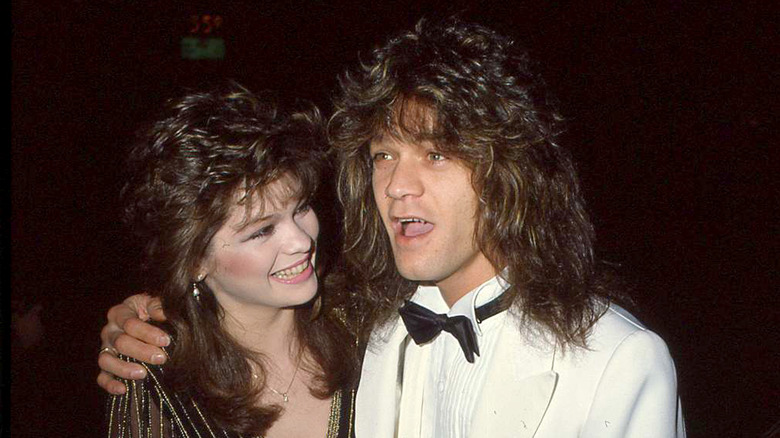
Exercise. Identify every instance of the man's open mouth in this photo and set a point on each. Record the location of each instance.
(412, 226)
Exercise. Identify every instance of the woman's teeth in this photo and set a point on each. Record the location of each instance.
(292, 272)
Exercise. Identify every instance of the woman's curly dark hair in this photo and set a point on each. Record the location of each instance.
(185, 174)
(472, 93)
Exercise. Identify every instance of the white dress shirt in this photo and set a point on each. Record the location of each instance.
(521, 386)
(451, 384)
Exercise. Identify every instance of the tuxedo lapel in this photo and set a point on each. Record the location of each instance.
(416, 361)
(376, 407)
(517, 390)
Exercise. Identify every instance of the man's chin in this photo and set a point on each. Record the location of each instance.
(413, 272)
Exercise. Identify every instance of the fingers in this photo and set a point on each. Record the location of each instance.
(123, 318)
(110, 385)
(111, 366)
(139, 349)
(127, 333)
(117, 317)
(145, 333)
(133, 338)
(155, 310)
(138, 304)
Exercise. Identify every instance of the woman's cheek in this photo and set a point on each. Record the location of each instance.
(242, 264)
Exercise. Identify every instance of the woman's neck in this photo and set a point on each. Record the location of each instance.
(270, 332)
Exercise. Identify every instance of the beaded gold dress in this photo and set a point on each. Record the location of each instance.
(151, 410)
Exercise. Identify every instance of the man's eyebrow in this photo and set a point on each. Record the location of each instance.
(377, 139)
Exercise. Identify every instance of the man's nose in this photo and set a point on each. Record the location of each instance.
(404, 180)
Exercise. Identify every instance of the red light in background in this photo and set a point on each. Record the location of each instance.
(205, 24)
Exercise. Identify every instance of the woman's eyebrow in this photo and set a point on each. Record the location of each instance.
(243, 225)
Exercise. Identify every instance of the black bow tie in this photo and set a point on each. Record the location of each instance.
(423, 324)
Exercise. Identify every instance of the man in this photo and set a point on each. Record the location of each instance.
(461, 209)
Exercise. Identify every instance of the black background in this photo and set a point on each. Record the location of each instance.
(671, 118)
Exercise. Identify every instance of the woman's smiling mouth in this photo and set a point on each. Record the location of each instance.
(294, 274)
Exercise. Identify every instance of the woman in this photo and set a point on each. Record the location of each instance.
(219, 192)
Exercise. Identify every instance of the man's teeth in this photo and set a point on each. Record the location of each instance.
(406, 221)
(412, 227)
(292, 272)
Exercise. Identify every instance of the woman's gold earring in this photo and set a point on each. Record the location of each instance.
(195, 290)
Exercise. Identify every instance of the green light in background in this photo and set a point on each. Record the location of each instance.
(202, 48)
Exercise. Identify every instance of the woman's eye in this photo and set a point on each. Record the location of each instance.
(303, 209)
(262, 232)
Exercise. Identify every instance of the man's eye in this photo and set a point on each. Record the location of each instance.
(436, 156)
(380, 160)
(380, 156)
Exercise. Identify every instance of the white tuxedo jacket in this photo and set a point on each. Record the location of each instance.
(624, 385)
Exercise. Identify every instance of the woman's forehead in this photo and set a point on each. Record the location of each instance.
(267, 200)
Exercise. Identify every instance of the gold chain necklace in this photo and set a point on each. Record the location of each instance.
(284, 395)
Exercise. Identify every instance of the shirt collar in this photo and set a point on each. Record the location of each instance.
(430, 298)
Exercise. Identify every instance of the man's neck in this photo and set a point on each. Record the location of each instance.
(466, 279)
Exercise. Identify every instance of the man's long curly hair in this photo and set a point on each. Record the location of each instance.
(471, 92)
(207, 150)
